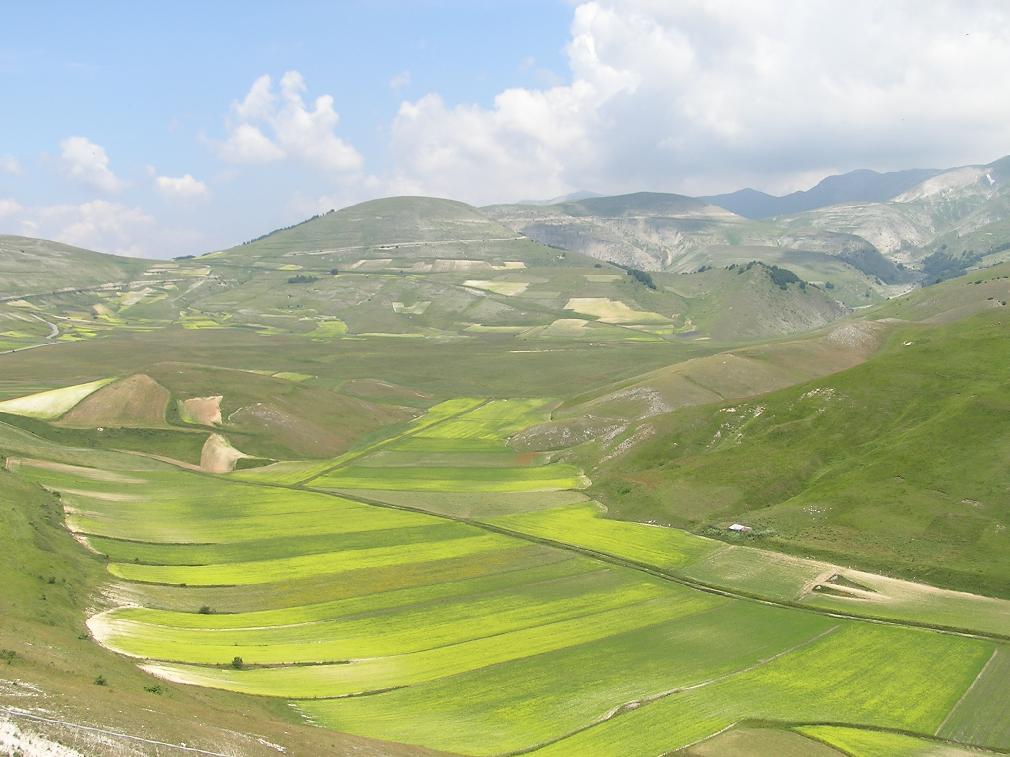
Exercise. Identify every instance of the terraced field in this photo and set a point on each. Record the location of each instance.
(437, 588)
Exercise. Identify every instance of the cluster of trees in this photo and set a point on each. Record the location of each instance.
(781, 277)
(285, 228)
(642, 277)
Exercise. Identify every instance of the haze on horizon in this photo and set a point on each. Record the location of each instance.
(205, 126)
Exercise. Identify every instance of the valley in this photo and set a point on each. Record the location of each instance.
(401, 479)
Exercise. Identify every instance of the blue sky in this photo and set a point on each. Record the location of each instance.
(130, 127)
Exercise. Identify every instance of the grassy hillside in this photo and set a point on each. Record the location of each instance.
(897, 464)
(418, 222)
(36, 265)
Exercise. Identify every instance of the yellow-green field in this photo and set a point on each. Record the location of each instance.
(436, 587)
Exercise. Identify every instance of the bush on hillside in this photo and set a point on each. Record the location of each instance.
(783, 277)
(302, 278)
(643, 277)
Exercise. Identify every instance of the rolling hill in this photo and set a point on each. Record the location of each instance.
(30, 265)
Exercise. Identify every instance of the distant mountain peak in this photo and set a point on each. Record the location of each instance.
(860, 185)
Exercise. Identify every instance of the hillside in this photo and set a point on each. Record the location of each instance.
(402, 227)
(885, 230)
(425, 268)
(894, 464)
(36, 265)
(949, 204)
(658, 232)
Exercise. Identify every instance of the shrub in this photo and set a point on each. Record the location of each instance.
(155, 689)
(302, 278)
(782, 277)
(205, 610)
(642, 277)
(236, 662)
(8, 655)
(100, 680)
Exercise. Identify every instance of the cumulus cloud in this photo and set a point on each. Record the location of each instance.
(708, 95)
(181, 187)
(100, 225)
(88, 163)
(9, 164)
(272, 123)
(247, 144)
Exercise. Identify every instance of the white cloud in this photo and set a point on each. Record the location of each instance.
(100, 225)
(400, 81)
(706, 95)
(9, 207)
(86, 162)
(181, 187)
(269, 125)
(9, 164)
(95, 225)
(247, 144)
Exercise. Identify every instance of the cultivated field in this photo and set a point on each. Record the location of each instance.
(550, 630)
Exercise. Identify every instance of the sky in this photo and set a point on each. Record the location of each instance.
(177, 128)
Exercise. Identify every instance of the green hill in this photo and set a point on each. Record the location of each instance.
(896, 464)
(36, 265)
(399, 227)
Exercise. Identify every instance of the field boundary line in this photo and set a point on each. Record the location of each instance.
(16, 713)
(792, 725)
(702, 740)
(637, 704)
(608, 557)
(351, 456)
(652, 570)
(967, 691)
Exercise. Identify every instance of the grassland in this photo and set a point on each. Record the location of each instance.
(533, 630)
(849, 467)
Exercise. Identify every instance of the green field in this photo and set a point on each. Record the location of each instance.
(546, 629)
